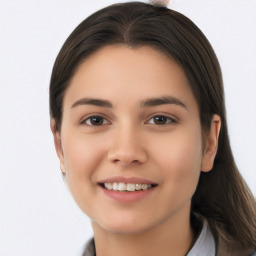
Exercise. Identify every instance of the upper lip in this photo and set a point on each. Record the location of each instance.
(134, 180)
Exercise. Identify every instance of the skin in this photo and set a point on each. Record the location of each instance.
(130, 143)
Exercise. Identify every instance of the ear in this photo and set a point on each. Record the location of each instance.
(211, 144)
(57, 143)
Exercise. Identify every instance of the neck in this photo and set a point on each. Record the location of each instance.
(172, 237)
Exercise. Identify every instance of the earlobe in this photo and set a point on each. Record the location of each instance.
(57, 143)
(211, 144)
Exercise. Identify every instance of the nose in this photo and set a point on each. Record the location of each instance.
(127, 147)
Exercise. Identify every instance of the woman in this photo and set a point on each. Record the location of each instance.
(139, 124)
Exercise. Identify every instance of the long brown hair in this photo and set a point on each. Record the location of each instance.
(222, 196)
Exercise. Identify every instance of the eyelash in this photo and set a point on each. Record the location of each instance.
(103, 120)
(168, 120)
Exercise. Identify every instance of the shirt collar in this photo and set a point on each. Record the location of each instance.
(205, 244)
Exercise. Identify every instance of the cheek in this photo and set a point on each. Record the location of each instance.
(82, 155)
(180, 159)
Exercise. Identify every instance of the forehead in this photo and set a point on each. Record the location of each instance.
(120, 72)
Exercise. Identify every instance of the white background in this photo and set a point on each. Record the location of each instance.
(37, 214)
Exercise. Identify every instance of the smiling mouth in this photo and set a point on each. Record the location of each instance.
(126, 187)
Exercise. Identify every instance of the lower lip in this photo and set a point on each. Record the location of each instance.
(126, 197)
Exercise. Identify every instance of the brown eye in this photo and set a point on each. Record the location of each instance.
(161, 120)
(95, 121)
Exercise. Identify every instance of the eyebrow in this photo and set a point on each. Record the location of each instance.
(163, 100)
(151, 102)
(92, 101)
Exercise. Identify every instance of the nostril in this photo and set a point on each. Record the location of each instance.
(127, 153)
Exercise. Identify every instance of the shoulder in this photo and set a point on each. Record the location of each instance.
(222, 248)
(225, 251)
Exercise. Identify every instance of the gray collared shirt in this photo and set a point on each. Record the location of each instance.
(205, 244)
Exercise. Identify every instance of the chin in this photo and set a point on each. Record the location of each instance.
(126, 230)
(124, 226)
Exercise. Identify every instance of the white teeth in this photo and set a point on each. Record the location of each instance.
(109, 186)
(138, 186)
(126, 187)
(115, 186)
(144, 186)
(122, 186)
(130, 187)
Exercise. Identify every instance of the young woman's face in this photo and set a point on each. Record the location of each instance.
(129, 117)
